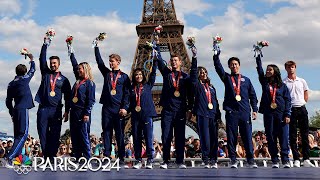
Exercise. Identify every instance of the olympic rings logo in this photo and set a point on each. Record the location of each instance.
(22, 169)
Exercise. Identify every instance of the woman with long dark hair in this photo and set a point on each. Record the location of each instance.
(206, 109)
(275, 106)
(142, 110)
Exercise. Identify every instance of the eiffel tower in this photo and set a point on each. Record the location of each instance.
(154, 13)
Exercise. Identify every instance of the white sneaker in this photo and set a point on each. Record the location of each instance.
(149, 166)
(9, 165)
(164, 166)
(253, 165)
(138, 165)
(214, 166)
(307, 163)
(296, 163)
(207, 166)
(182, 166)
(275, 165)
(286, 165)
(234, 164)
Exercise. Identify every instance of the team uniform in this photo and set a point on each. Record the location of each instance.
(115, 96)
(83, 99)
(142, 110)
(238, 111)
(275, 105)
(19, 92)
(49, 115)
(176, 88)
(206, 108)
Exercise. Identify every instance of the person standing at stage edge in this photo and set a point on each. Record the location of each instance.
(176, 86)
(115, 101)
(239, 95)
(19, 92)
(49, 96)
(83, 99)
(298, 88)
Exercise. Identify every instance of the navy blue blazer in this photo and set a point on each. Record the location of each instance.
(200, 107)
(19, 91)
(62, 85)
(283, 98)
(86, 91)
(121, 99)
(146, 101)
(247, 92)
(167, 100)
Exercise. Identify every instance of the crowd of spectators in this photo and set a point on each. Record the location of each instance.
(32, 147)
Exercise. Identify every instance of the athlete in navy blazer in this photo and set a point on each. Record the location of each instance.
(275, 106)
(19, 92)
(239, 95)
(115, 100)
(142, 110)
(83, 99)
(206, 108)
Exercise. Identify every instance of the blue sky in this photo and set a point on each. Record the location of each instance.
(291, 27)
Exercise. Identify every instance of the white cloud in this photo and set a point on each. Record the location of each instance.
(300, 3)
(32, 4)
(10, 7)
(185, 7)
(314, 95)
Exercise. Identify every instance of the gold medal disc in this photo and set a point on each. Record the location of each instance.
(177, 94)
(238, 97)
(210, 106)
(52, 93)
(138, 108)
(113, 92)
(75, 99)
(273, 105)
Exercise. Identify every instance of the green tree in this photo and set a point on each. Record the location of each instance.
(315, 120)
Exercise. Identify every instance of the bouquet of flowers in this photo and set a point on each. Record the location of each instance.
(102, 36)
(156, 32)
(69, 41)
(257, 48)
(216, 41)
(24, 52)
(49, 36)
(190, 42)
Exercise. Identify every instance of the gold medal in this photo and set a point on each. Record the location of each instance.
(238, 97)
(52, 93)
(210, 106)
(138, 108)
(75, 99)
(273, 105)
(113, 92)
(177, 94)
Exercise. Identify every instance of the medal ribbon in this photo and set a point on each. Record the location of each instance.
(208, 93)
(53, 81)
(273, 92)
(114, 82)
(176, 82)
(79, 83)
(236, 88)
(138, 94)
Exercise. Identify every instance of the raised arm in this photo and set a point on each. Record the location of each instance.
(194, 71)
(153, 74)
(43, 59)
(218, 66)
(260, 69)
(162, 67)
(90, 93)
(74, 65)
(102, 67)
(253, 98)
(32, 69)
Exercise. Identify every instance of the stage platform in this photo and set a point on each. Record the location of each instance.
(190, 173)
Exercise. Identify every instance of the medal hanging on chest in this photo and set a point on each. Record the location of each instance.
(273, 92)
(176, 83)
(237, 87)
(138, 97)
(114, 83)
(208, 94)
(75, 97)
(53, 84)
